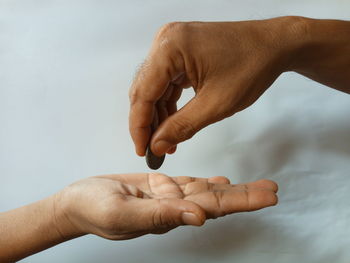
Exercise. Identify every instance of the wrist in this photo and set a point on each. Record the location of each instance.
(61, 210)
(292, 38)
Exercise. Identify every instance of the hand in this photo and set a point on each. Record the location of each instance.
(130, 205)
(228, 64)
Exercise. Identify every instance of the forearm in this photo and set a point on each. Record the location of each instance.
(324, 54)
(30, 229)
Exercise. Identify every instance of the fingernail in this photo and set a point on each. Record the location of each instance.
(162, 146)
(191, 219)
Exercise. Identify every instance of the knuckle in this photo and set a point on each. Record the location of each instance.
(133, 94)
(169, 29)
(183, 129)
(137, 95)
(136, 89)
(172, 34)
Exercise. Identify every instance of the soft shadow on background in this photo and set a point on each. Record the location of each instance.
(65, 70)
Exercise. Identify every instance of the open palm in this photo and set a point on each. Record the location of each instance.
(124, 206)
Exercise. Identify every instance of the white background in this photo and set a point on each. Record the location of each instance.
(65, 70)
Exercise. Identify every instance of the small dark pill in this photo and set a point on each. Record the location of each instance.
(154, 162)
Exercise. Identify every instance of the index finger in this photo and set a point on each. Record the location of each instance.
(163, 65)
(149, 85)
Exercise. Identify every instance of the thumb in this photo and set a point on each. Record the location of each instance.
(185, 123)
(158, 214)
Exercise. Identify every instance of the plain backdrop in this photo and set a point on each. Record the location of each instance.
(65, 70)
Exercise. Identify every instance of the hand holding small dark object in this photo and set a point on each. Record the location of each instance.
(229, 65)
(153, 161)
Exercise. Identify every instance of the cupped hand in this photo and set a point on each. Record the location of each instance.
(125, 206)
(228, 64)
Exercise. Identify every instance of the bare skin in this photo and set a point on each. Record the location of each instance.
(229, 65)
(125, 206)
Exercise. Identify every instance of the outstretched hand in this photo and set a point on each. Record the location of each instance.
(125, 206)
